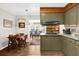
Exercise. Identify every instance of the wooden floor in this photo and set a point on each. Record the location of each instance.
(52, 53)
(31, 50)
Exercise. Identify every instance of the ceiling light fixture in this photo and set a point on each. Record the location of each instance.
(26, 10)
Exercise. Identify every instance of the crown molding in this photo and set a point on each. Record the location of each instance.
(57, 9)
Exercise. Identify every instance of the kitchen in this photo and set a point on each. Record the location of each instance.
(52, 29)
(62, 31)
(58, 23)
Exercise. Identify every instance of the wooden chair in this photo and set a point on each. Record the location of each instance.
(18, 40)
(22, 41)
(21, 34)
(25, 37)
(12, 41)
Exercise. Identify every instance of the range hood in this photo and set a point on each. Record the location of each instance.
(51, 22)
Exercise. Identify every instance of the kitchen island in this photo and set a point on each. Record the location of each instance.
(50, 42)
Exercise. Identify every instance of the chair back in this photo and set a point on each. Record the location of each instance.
(25, 37)
(21, 34)
(12, 39)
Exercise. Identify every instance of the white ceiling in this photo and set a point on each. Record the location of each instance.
(53, 4)
(18, 9)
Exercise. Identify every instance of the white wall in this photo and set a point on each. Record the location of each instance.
(15, 29)
(34, 24)
(6, 31)
(27, 25)
(21, 30)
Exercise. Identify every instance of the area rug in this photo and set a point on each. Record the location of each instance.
(35, 41)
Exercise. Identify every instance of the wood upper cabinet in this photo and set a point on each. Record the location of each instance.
(70, 17)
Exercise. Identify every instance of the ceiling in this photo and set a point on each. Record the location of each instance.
(18, 9)
(53, 4)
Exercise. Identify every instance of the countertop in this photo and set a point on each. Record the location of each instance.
(49, 35)
(72, 36)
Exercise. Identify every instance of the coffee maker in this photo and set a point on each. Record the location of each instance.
(67, 31)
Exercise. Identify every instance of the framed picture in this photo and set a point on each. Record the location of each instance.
(7, 23)
(21, 25)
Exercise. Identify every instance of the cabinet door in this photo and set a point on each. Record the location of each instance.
(63, 43)
(50, 43)
(71, 51)
(65, 46)
(77, 47)
(70, 17)
(42, 18)
(73, 16)
(69, 47)
(47, 43)
(43, 43)
(67, 18)
(52, 17)
(78, 15)
(77, 50)
(57, 43)
(53, 43)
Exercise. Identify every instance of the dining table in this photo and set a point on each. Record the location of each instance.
(21, 40)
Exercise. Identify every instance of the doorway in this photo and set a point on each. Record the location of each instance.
(35, 31)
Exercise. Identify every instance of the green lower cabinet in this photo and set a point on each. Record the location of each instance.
(64, 46)
(50, 43)
(69, 47)
(44, 43)
(77, 48)
(71, 50)
(56, 43)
